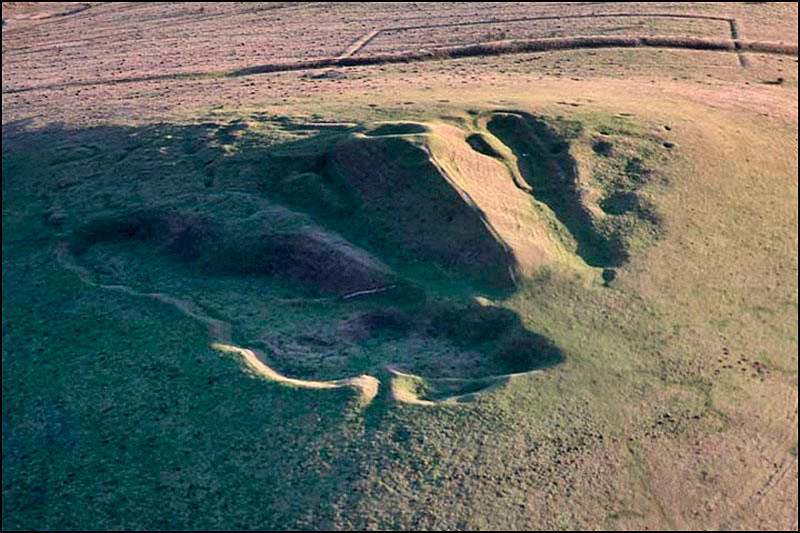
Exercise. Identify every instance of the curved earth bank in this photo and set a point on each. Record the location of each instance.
(403, 387)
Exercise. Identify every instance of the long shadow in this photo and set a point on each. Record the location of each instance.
(383, 193)
(546, 165)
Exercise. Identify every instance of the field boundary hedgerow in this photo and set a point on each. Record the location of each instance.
(525, 46)
(349, 57)
(367, 38)
(562, 17)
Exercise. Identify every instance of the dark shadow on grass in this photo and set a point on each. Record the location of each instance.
(383, 194)
(152, 185)
(548, 168)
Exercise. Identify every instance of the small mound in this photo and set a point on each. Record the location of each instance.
(620, 203)
(182, 236)
(499, 333)
(390, 322)
(637, 172)
(475, 324)
(308, 258)
(604, 148)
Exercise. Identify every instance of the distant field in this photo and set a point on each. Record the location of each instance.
(444, 34)
(393, 266)
(142, 40)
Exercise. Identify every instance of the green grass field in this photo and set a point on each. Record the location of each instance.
(661, 387)
(339, 266)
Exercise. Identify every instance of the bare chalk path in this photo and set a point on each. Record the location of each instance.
(219, 332)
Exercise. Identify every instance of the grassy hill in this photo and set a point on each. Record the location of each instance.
(553, 298)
